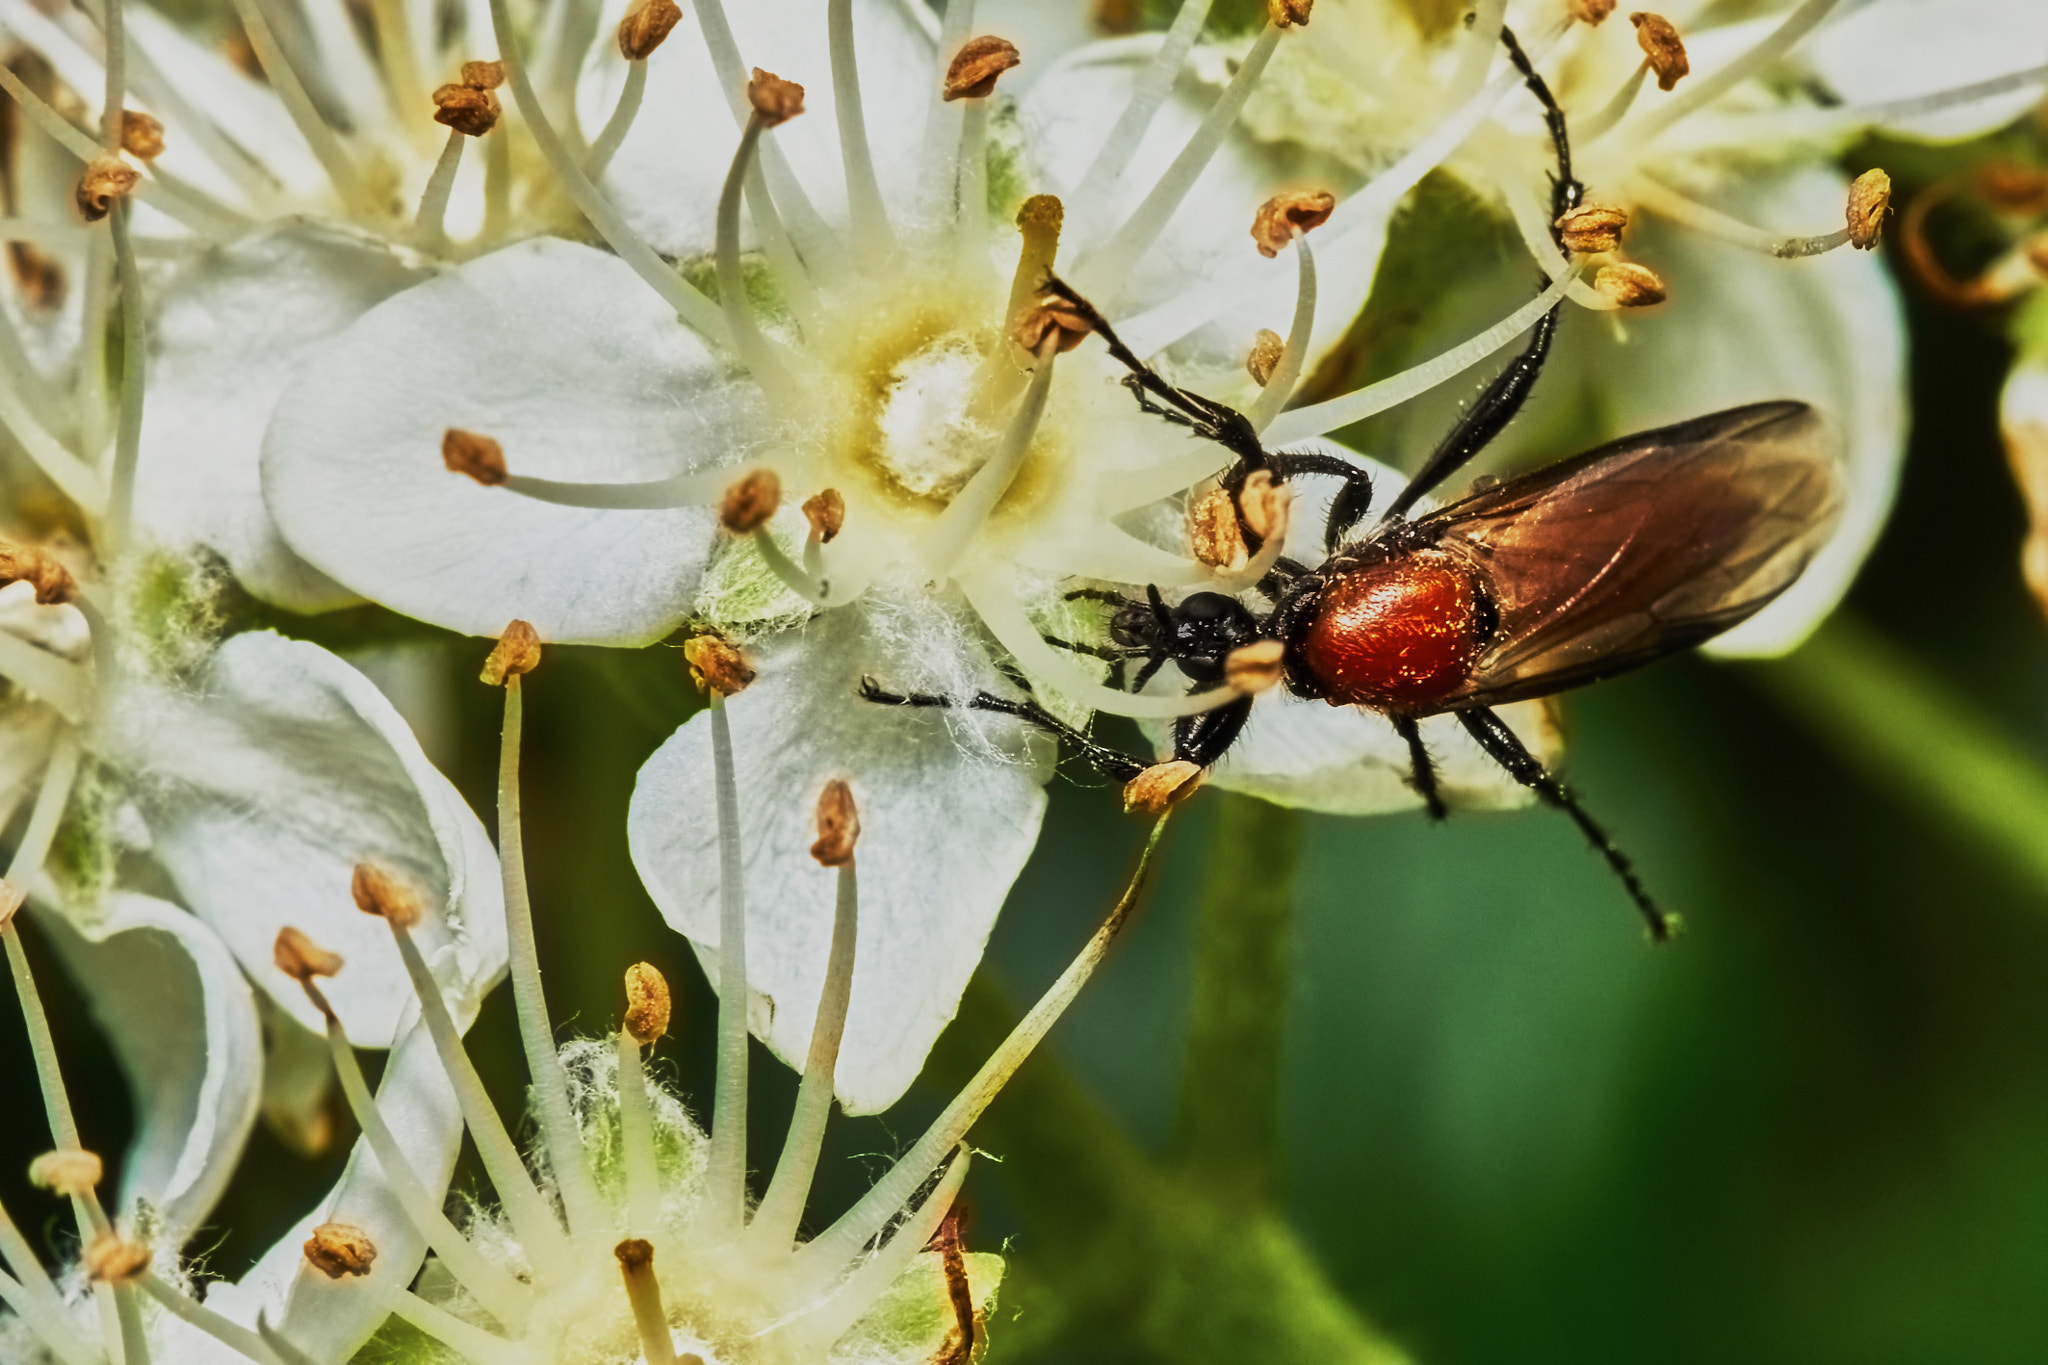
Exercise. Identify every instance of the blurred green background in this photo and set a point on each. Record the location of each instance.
(1814, 1130)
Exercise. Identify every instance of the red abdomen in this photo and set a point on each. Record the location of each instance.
(1397, 636)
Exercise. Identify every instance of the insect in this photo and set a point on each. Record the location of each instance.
(1573, 573)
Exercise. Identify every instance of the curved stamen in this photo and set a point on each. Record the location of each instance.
(813, 587)
(474, 1344)
(76, 479)
(1668, 203)
(871, 230)
(678, 490)
(1481, 42)
(753, 347)
(970, 220)
(726, 1169)
(1700, 90)
(1762, 129)
(34, 1299)
(291, 92)
(114, 109)
(971, 507)
(134, 361)
(427, 227)
(232, 1335)
(1147, 95)
(395, 49)
(831, 1319)
(61, 683)
(616, 127)
(942, 121)
(1280, 384)
(1602, 121)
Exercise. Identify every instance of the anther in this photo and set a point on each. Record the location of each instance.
(141, 136)
(106, 179)
(70, 1171)
(28, 564)
(775, 100)
(826, 512)
(114, 1259)
(483, 75)
(301, 959)
(972, 73)
(1286, 216)
(838, 825)
(749, 503)
(1288, 13)
(1630, 285)
(11, 898)
(466, 109)
(1267, 348)
(645, 26)
(516, 654)
(1255, 667)
(1662, 46)
(1870, 198)
(716, 665)
(1213, 534)
(647, 1003)
(379, 892)
(1052, 320)
(480, 457)
(337, 1250)
(1162, 785)
(1590, 11)
(1592, 228)
(1264, 505)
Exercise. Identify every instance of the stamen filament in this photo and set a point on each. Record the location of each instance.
(782, 1208)
(134, 360)
(871, 230)
(726, 1173)
(970, 209)
(394, 49)
(1147, 95)
(232, 1335)
(854, 1229)
(845, 1306)
(291, 92)
(113, 17)
(693, 308)
(754, 348)
(814, 590)
(1481, 41)
(620, 123)
(1701, 90)
(1668, 203)
(35, 1299)
(497, 183)
(679, 490)
(1807, 123)
(134, 1340)
(61, 683)
(1318, 418)
(942, 122)
(558, 1128)
(529, 1212)
(27, 862)
(1280, 384)
(502, 1296)
(427, 229)
(473, 1343)
(636, 1134)
(48, 120)
(1597, 124)
(285, 1351)
(643, 1292)
(1105, 272)
(91, 382)
(970, 509)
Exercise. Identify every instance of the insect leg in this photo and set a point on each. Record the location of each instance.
(1502, 745)
(1565, 190)
(1114, 599)
(1152, 666)
(1117, 766)
(1200, 739)
(1422, 768)
(1347, 509)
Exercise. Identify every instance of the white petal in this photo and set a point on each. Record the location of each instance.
(1899, 49)
(234, 328)
(668, 185)
(571, 362)
(264, 788)
(180, 1015)
(947, 820)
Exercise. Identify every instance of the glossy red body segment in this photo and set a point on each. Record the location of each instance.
(1397, 636)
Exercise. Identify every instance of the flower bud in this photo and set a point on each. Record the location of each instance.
(1592, 228)
(750, 502)
(972, 73)
(1267, 348)
(647, 1003)
(1870, 198)
(1162, 785)
(337, 1250)
(480, 457)
(775, 100)
(142, 137)
(716, 665)
(826, 512)
(301, 959)
(379, 892)
(516, 654)
(838, 825)
(1255, 667)
(1630, 285)
(67, 1171)
(466, 109)
(105, 180)
(1285, 216)
(645, 26)
(1662, 46)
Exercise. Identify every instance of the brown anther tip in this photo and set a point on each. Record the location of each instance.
(379, 892)
(105, 180)
(838, 825)
(1213, 534)
(826, 512)
(11, 899)
(301, 959)
(1662, 46)
(1630, 285)
(480, 457)
(1264, 504)
(1267, 348)
(483, 75)
(775, 100)
(1591, 229)
(1052, 319)
(1590, 11)
(141, 135)
(647, 1003)
(645, 26)
(1286, 216)
(2009, 187)
(1042, 213)
(716, 665)
(972, 73)
(67, 1171)
(114, 1259)
(53, 582)
(1255, 667)
(516, 654)
(749, 503)
(635, 1255)
(337, 1250)
(1288, 13)
(1162, 785)
(1870, 198)
(467, 109)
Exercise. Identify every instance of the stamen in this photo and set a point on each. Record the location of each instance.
(291, 92)
(831, 1318)
(1800, 22)
(943, 122)
(647, 1016)
(1147, 95)
(811, 585)
(1663, 48)
(340, 1251)
(285, 1351)
(826, 513)
(230, 1334)
(726, 1171)
(1264, 357)
(1591, 228)
(1481, 42)
(107, 180)
(643, 29)
(498, 190)
(839, 1243)
(970, 213)
(472, 1343)
(1870, 199)
(871, 230)
(516, 654)
(681, 490)
(1162, 786)
(1286, 371)
(1630, 285)
(776, 102)
(395, 50)
(59, 682)
(1318, 418)
(695, 311)
(1596, 125)
(1668, 203)
(643, 1291)
(35, 1299)
(134, 361)
(427, 227)
(1103, 273)
(716, 666)
(27, 863)
(781, 1209)
(620, 123)
(474, 454)
(949, 535)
